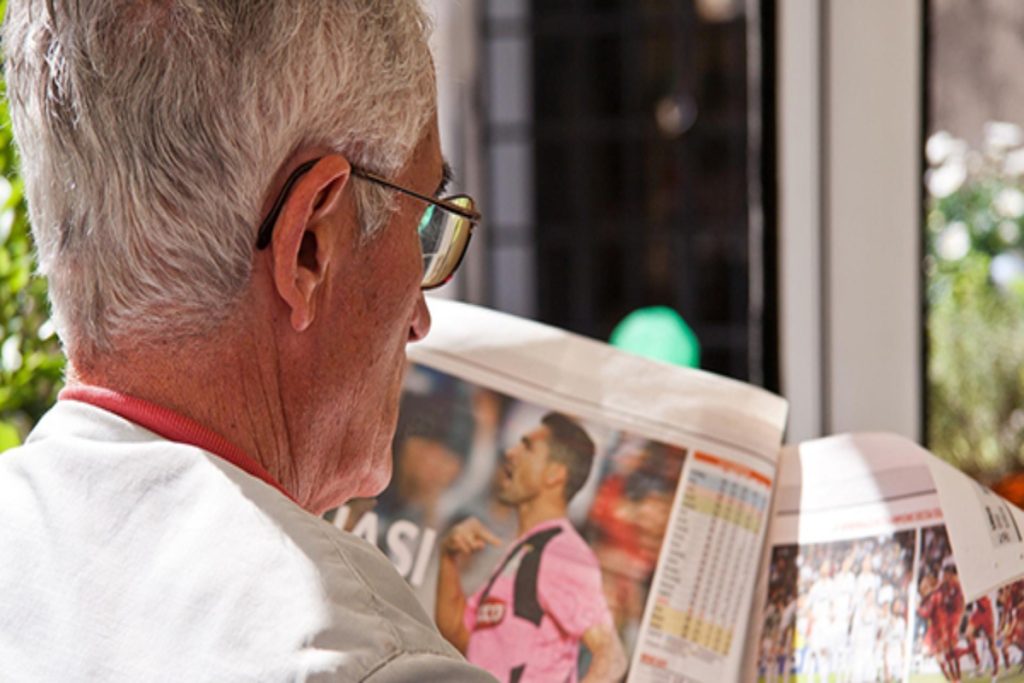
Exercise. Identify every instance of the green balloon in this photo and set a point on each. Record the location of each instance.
(660, 333)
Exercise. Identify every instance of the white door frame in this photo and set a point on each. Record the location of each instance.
(849, 226)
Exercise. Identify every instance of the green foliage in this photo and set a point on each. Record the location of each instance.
(31, 363)
(975, 295)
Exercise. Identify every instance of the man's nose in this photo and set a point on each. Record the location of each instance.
(420, 325)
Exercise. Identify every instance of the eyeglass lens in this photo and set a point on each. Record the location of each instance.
(443, 239)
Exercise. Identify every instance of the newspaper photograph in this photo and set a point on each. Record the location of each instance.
(838, 611)
(564, 593)
(958, 640)
(862, 581)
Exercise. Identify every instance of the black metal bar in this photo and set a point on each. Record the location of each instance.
(769, 198)
(926, 124)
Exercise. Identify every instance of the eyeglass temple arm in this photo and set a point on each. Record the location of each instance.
(267, 226)
(458, 210)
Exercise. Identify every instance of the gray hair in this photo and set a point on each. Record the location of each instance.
(149, 131)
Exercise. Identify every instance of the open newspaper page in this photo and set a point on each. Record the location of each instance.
(565, 510)
(862, 581)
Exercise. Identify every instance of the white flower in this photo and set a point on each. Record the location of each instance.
(46, 330)
(1007, 268)
(1000, 136)
(1009, 203)
(942, 146)
(10, 354)
(1009, 232)
(1013, 164)
(954, 242)
(946, 179)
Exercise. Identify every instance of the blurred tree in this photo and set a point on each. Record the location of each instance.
(975, 291)
(31, 363)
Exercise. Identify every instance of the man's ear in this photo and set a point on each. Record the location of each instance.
(556, 473)
(301, 246)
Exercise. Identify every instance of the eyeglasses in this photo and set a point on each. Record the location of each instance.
(444, 228)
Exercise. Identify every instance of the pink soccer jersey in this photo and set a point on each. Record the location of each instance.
(525, 624)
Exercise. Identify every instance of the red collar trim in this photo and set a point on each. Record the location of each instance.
(170, 425)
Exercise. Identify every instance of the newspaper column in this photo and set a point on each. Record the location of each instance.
(698, 607)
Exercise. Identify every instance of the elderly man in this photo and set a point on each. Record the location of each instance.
(234, 203)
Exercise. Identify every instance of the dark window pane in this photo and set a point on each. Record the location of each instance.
(640, 167)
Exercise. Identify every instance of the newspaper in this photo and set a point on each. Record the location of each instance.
(567, 511)
(886, 564)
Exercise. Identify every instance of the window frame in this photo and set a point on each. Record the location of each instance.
(850, 164)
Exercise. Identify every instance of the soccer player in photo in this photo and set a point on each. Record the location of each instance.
(981, 622)
(544, 598)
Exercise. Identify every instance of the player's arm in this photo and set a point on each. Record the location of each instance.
(465, 538)
(608, 661)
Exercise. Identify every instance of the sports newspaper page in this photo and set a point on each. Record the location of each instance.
(672, 514)
(682, 540)
(886, 564)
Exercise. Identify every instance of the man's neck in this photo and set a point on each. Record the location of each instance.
(224, 389)
(537, 511)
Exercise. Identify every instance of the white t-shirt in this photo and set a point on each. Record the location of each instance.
(125, 556)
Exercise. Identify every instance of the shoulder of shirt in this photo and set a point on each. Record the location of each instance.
(369, 608)
(417, 651)
(412, 666)
(571, 544)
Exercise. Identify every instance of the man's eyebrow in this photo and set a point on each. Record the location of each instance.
(446, 179)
